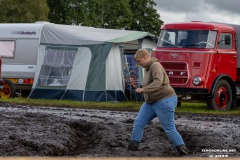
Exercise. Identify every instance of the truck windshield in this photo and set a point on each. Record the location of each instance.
(187, 39)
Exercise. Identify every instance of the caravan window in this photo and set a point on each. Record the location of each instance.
(57, 66)
(7, 48)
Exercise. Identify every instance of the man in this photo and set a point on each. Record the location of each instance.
(160, 101)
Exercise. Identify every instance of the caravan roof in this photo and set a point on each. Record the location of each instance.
(51, 33)
(81, 35)
(20, 30)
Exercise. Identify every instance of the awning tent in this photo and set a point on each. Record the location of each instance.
(84, 63)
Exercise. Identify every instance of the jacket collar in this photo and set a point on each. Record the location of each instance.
(150, 62)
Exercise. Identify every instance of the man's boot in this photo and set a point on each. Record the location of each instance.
(182, 150)
(133, 145)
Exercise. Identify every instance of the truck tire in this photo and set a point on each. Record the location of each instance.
(222, 96)
(9, 90)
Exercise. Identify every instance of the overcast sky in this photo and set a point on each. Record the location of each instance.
(227, 11)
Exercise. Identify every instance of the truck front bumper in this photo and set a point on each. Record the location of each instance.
(190, 91)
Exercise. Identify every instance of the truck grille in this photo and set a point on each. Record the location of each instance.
(177, 72)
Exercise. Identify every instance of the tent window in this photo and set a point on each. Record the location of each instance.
(131, 71)
(132, 77)
(57, 67)
(7, 48)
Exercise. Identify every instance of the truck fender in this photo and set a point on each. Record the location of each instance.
(231, 83)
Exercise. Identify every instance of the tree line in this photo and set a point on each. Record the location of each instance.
(118, 14)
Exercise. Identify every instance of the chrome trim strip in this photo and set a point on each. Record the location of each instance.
(178, 51)
(182, 62)
(191, 51)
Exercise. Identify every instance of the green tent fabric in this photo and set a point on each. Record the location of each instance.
(84, 63)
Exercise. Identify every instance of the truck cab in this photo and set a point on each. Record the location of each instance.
(201, 61)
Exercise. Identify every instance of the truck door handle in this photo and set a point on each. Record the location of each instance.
(234, 56)
(30, 66)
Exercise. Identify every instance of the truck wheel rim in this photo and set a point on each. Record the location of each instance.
(222, 97)
(6, 92)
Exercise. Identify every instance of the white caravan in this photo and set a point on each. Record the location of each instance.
(21, 42)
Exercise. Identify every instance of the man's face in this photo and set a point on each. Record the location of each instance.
(142, 61)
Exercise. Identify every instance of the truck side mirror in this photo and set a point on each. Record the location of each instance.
(227, 40)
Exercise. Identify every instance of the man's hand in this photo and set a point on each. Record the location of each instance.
(138, 90)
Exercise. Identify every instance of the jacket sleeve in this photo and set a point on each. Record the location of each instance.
(157, 76)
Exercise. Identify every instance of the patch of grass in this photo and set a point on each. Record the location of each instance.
(197, 107)
(120, 106)
(186, 107)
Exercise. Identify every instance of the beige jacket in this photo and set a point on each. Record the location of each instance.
(156, 82)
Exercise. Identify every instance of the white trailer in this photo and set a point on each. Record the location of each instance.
(20, 41)
(25, 41)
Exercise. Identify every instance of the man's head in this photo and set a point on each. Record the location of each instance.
(142, 57)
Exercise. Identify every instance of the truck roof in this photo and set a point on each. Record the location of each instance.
(195, 25)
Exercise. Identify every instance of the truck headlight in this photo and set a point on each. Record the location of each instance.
(197, 80)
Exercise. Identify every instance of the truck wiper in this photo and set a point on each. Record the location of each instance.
(192, 45)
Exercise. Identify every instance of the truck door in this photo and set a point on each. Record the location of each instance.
(227, 56)
(225, 63)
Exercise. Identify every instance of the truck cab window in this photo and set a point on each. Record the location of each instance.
(225, 41)
(187, 39)
(167, 39)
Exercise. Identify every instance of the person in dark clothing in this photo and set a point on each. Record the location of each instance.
(130, 86)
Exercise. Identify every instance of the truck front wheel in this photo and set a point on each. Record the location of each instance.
(222, 96)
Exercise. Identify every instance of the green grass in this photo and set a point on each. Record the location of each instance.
(197, 107)
(121, 106)
(186, 107)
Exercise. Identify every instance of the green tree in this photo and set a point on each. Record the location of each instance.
(95, 13)
(145, 16)
(118, 14)
(75, 12)
(23, 11)
(78, 12)
(58, 11)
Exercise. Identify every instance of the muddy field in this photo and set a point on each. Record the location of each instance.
(45, 131)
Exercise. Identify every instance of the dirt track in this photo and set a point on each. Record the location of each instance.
(44, 131)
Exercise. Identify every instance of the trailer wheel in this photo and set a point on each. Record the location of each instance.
(222, 96)
(9, 90)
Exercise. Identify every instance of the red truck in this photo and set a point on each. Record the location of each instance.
(202, 61)
(7, 88)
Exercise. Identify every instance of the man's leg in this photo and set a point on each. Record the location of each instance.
(165, 110)
(145, 115)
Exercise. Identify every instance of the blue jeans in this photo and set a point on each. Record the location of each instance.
(164, 110)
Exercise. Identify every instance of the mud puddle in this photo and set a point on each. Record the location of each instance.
(49, 131)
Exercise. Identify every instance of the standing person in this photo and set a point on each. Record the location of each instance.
(160, 101)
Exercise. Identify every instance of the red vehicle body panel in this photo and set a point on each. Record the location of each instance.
(183, 64)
